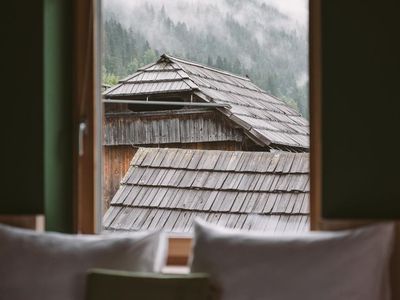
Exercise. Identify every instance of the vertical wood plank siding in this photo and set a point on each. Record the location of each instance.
(167, 128)
(116, 164)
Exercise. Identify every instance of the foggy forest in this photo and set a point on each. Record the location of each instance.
(254, 38)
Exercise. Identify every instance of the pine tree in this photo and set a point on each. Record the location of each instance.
(219, 63)
(209, 61)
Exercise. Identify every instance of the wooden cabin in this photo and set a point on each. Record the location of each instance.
(174, 103)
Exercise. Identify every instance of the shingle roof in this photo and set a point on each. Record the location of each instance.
(168, 188)
(265, 118)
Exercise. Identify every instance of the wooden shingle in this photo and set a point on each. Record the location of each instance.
(168, 188)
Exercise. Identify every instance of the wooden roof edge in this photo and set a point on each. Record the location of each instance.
(294, 145)
(189, 233)
(291, 149)
(109, 90)
(183, 111)
(242, 124)
(254, 134)
(305, 154)
(217, 211)
(189, 89)
(237, 120)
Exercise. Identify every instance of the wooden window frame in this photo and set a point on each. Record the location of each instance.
(315, 71)
(88, 167)
(87, 116)
(315, 75)
(87, 87)
(87, 92)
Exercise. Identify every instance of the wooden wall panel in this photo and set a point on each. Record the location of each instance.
(116, 164)
(169, 127)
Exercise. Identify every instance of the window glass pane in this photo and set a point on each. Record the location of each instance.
(206, 115)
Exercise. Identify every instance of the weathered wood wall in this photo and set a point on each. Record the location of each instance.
(201, 129)
(178, 126)
(116, 164)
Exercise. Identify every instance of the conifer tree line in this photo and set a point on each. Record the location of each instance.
(272, 53)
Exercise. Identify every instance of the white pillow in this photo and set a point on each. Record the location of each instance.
(345, 265)
(41, 266)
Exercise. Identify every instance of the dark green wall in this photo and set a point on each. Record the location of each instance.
(361, 108)
(21, 106)
(36, 58)
(58, 108)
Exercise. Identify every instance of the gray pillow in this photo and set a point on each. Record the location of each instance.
(53, 266)
(350, 264)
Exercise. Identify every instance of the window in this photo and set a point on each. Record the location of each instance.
(211, 95)
(235, 152)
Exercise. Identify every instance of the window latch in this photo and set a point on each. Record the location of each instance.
(82, 131)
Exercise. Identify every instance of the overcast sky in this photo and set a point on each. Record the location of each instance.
(297, 9)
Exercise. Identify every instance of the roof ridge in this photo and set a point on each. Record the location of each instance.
(204, 66)
(183, 78)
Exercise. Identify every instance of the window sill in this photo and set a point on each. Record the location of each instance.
(179, 248)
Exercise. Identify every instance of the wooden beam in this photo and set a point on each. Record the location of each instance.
(165, 103)
(86, 124)
(34, 222)
(315, 113)
(178, 251)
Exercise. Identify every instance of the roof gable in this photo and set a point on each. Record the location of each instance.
(266, 119)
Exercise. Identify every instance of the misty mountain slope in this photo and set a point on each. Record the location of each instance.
(244, 37)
